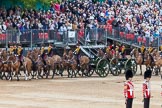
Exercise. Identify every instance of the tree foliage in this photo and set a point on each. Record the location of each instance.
(33, 3)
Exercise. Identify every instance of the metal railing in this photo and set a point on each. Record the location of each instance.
(95, 36)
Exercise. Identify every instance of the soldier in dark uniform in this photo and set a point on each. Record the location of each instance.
(129, 89)
(43, 54)
(146, 88)
(122, 50)
(15, 49)
(50, 50)
(11, 49)
(77, 52)
(150, 49)
(142, 51)
(160, 49)
(20, 53)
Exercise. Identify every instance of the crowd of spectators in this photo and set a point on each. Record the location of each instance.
(140, 17)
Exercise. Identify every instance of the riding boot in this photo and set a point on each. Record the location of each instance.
(21, 63)
(44, 62)
(143, 59)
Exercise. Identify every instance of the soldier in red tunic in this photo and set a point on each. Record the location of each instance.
(129, 89)
(146, 88)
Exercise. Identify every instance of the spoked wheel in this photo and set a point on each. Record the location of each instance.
(131, 64)
(114, 67)
(102, 68)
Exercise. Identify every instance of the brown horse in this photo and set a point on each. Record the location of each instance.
(72, 64)
(158, 62)
(139, 59)
(100, 53)
(6, 65)
(57, 65)
(15, 64)
(37, 63)
(84, 64)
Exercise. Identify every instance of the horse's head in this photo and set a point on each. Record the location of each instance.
(70, 54)
(100, 53)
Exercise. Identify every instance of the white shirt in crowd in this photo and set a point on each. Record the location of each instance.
(69, 26)
(62, 29)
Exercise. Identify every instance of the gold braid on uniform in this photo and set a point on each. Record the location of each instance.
(11, 50)
(150, 49)
(77, 50)
(107, 49)
(19, 50)
(42, 50)
(49, 49)
(123, 49)
(160, 48)
(142, 49)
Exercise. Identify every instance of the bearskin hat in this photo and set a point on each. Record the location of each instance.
(128, 74)
(147, 74)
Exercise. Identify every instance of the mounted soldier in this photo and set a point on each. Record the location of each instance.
(20, 54)
(43, 54)
(150, 49)
(142, 51)
(50, 50)
(77, 52)
(122, 50)
(15, 49)
(11, 49)
(160, 49)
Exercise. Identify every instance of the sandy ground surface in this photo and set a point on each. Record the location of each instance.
(93, 92)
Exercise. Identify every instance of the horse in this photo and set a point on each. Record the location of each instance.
(72, 62)
(37, 63)
(84, 64)
(6, 65)
(55, 64)
(158, 61)
(139, 59)
(15, 64)
(100, 53)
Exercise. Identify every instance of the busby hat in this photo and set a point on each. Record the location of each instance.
(128, 74)
(147, 74)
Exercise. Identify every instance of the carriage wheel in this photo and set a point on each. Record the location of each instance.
(131, 64)
(102, 68)
(115, 70)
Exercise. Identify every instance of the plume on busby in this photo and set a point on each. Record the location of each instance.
(128, 74)
(147, 74)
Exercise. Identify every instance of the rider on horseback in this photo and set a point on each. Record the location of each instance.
(150, 49)
(142, 51)
(122, 50)
(15, 49)
(77, 52)
(20, 53)
(160, 49)
(50, 50)
(11, 50)
(43, 54)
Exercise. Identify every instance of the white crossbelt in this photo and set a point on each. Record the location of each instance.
(131, 91)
